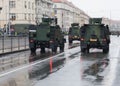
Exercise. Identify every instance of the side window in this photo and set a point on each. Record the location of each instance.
(12, 4)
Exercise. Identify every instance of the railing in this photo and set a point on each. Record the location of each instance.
(11, 44)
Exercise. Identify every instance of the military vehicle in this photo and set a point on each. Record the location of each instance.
(20, 29)
(74, 32)
(46, 35)
(95, 35)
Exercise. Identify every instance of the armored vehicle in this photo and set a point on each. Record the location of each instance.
(20, 29)
(74, 32)
(46, 35)
(95, 35)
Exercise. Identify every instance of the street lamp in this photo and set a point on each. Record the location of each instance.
(9, 18)
(0, 10)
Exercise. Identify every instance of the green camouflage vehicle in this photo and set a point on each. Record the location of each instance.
(95, 35)
(74, 32)
(20, 29)
(46, 35)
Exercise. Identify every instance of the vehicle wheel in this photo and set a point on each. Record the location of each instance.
(70, 41)
(33, 50)
(105, 50)
(42, 50)
(54, 49)
(62, 48)
(87, 49)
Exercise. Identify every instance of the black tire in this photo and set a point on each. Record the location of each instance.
(70, 41)
(42, 50)
(62, 48)
(54, 49)
(87, 49)
(33, 50)
(106, 50)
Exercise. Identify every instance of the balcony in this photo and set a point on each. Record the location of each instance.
(48, 1)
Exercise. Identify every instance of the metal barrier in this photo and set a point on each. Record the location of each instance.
(11, 44)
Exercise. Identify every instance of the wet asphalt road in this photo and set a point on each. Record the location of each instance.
(70, 68)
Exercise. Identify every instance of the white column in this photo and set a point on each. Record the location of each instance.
(0, 13)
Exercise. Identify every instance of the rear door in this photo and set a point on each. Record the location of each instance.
(42, 33)
(93, 32)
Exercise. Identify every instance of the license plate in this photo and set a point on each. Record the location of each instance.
(93, 39)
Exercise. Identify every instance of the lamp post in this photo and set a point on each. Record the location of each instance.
(9, 18)
(0, 12)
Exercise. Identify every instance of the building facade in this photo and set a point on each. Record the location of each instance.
(18, 11)
(67, 13)
(24, 11)
(32, 11)
(43, 8)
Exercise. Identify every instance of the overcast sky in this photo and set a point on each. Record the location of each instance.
(100, 8)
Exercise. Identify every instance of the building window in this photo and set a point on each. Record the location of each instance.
(33, 6)
(29, 16)
(28, 5)
(41, 3)
(12, 4)
(12, 16)
(55, 6)
(32, 16)
(25, 17)
(55, 11)
(25, 4)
